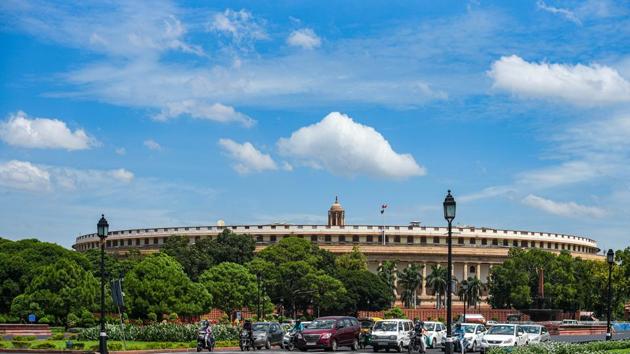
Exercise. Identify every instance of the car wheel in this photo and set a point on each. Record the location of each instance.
(267, 344)
(387, 350)
(198, 349)
(355, 345)
(474, 347)
(333, 345)
(400, 347)
(375, 348)
(241, 346)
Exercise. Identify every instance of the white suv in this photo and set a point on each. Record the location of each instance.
(391, 334)
(435, 332)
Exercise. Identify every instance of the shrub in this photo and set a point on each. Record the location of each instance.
(45, 320)
(395, 312)
(173, 317)
(87, 319)
(73, 320)
(159, 332)
(4, 344)
(151, 316)
(568, 348)
(20, 344)
(57, 336)
(43, 345)
(114, 346)
(24, 338)
(75, 345)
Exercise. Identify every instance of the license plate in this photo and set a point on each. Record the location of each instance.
(310, 343)
(382, 342)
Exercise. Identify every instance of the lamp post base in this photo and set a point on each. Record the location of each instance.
(608, 336)
(449, 346)
(102, 343)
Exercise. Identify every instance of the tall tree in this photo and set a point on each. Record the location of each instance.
(387, 272)
(365, 291)
(232, 287)
(410, 278)
(231, 247)
(159, 285)
(354, 260)
(473, 291)
(195, 258)
(438, 280)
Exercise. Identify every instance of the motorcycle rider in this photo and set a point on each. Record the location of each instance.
(207, 328)
(419, 332)
(247, 326)
(298, 327)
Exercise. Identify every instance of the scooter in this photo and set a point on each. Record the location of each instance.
(290, 346)
(245, 342)
(417, 343)
(205, 340)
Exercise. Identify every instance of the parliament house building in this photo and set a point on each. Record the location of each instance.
(475, 249)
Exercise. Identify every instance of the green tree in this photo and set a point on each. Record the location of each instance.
(232, 287)
(59, 289)
(474, 287)
(231, 247)
(410, 278)
(438, 281)
(365, 291)
(195, 259)
(354, 260)
(387, 272)
(327, 291)
(159, 285)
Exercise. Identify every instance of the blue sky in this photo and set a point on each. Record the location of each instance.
(164, 113)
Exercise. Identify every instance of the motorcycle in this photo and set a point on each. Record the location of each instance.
(205, 340)
(290, 346)
(417, 343)
(365, 339)
(246, 342)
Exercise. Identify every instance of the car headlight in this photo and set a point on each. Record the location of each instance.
(325, 335)
(483, 340)
(509, 340)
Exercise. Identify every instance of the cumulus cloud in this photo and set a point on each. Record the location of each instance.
(305, 38)
(42, 133)
(579, 84)
(152, 145)
(570, 209)
(216, 112)
(344, 147)
(247, 158)
(568, 14)
(23, 175)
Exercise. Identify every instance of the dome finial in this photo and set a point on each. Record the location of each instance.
(336, 199)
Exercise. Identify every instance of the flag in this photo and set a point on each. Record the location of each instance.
(383, 207)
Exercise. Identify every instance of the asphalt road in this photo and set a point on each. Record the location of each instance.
(573, 339)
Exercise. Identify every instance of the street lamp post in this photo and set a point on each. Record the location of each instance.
(102, 230)
(610, 257)
(449, 215)
(258, 296)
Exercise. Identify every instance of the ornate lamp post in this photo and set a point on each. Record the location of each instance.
(610, 258)
(449, 215)
(465, 288)
(102, 230)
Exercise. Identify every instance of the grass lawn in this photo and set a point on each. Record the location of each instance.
(619, 351)
(112, 345)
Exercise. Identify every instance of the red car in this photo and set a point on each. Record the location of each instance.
(329, 333)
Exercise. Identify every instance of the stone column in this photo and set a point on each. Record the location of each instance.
(478, 271)
(424, 280)
(465, 272)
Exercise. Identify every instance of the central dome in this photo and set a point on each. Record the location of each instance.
(336, 205)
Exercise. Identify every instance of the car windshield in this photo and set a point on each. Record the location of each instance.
(260, 326)
(366, 324)
(386, 326)
(322, 324)
(501, 329)
(469, 328)
(531, 329)
(429, 326)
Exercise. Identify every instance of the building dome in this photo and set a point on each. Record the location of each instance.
(336, 206)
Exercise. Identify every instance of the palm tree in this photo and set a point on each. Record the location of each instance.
(474, 291)
(437, 280)
(387, 272)
(410, 279)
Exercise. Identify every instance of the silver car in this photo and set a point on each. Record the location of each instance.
(537, 333)
(267, 334)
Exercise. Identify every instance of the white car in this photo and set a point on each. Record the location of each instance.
(435, 332)
(504, 335)
(391, 334)
(536, 333)
(473, 332)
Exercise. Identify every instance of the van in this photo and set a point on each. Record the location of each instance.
(391, 334)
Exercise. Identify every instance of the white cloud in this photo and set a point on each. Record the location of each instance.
(568, 14)
(488, 192)
(247, 157)
(152, 145)
(567, 173)
(216, 112)
(42, 133)
(241, 26)
(121, 151)
(579, 84)
(305, 38)
(344, 147)
(570, 209)
(24, 175)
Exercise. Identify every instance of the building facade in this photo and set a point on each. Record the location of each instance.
(475, 249)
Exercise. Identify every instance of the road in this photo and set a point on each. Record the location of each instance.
(573, 339)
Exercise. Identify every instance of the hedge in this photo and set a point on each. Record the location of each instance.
(159, 332)
(599, 347)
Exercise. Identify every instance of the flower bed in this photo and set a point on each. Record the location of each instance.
(598, 347)
(159, 332)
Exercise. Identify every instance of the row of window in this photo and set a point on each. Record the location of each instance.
(368, 239)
